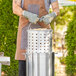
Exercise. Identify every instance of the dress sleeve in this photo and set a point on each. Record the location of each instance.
(51, 1)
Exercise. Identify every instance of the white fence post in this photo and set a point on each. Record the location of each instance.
(3, 60)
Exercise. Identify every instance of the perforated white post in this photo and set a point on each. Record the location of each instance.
(39, 40)
(39, 53)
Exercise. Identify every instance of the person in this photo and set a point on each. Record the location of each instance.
(37, 13)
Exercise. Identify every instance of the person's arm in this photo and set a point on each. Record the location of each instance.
(33, 18)
(17, 7)
(47, 19)
(55, 7)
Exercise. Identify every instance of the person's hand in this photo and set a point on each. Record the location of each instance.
(47, 19)
(33, 18)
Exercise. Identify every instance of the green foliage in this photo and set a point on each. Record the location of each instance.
(8, 34)
(71, 47)
(62, 60)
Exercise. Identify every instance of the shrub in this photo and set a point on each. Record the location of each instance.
(8, 34)
(71, 47)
